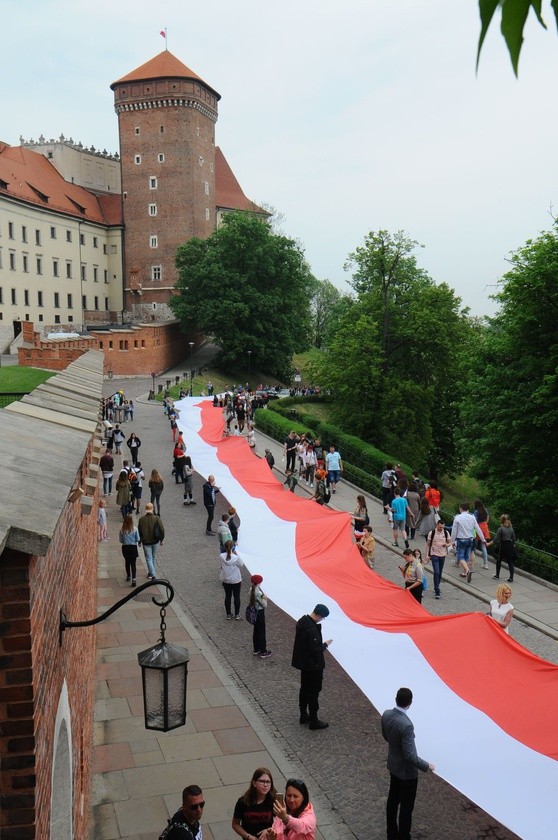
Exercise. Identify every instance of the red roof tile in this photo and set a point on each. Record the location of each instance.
(30, 177)
(228, 192)
(162, 66)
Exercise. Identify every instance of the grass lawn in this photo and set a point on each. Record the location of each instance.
(14, 378)
(220, 380)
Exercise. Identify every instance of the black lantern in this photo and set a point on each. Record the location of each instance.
(164, 667)
(164, 670)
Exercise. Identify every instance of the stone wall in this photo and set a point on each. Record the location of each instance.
(128, 351)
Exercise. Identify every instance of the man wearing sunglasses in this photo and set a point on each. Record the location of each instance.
(185, 824)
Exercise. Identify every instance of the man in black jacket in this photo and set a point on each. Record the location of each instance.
(308, 658)
(185, 824)
(210, 491)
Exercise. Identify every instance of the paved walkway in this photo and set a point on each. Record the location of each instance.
(243, 713)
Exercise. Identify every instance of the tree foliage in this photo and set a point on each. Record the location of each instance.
(514, 15)
(393, 363)
(327, 306)
(511, 413)
(250, 289)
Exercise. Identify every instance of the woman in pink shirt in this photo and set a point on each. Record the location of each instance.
(295, 819)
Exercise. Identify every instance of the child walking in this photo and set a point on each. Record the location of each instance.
(102, 520)
(259, 601)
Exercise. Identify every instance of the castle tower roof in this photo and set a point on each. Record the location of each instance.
(162, 66)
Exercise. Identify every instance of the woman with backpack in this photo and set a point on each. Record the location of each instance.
(231, 579)
(438, 542)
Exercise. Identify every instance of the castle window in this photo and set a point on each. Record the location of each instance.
(39, 298)
(57, 300)
(40, 317)
(14, 296)
(37, 237)
(162, 129)
(25, 263)
(211, 167)
(55, 268)
(53, 233)
(26, 297)
(152, 183)
(95, 274)
(106, 304)
(156, 272)
(95, 242)
(96, 301)
(12, 261)
(84, 301)
(82, 239)
(153, 242)
(23, 233)
(70, 302)
(68, 270)
(206, 185)
(161, 157)
(207, 214)
(137, 159)
(137, 129)
(68, 236)
(106, 275)
(70, 319)
(39, 265)
(83, 272)
(105, 248)
(10, 230)
(152, 209)
(200, 161)
(57, 319)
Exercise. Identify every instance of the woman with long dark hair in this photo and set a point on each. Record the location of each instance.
(156, 486)
(259, 601)
(129, 539)
(481, 515)
(295, 818)
(253, 812)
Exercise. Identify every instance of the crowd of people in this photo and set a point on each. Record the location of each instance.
(413, 509)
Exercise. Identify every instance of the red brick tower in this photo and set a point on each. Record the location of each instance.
(166, 119)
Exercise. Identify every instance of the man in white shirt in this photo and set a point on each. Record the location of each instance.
(463, 532)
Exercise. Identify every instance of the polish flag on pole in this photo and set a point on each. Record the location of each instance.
(163, 32)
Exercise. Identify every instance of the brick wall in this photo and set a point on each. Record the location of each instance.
(132, 351)
(33, 668)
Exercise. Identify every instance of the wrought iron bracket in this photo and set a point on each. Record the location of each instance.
(65, 623)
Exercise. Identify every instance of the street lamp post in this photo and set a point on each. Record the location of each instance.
(164, 666)
(191, 343)
(249, 363)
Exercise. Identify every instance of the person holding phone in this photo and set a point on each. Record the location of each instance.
(253, 812)
(294, 818)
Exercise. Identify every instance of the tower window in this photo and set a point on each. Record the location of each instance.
(152, 183)
(207, 214)
(153, 243)
(137, 129)
(152, 209)
(137, 159)
(161, 157)
(206, 185)
(156, 272)
(162, 129)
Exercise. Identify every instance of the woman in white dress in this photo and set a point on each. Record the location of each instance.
(501, 610)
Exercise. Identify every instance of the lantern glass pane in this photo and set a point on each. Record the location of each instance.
(154, 686)
(177, 697)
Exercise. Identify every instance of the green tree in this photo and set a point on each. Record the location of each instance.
(250, 289)
(514, 17)
(326, 307)
(511, 411)
(415, 330)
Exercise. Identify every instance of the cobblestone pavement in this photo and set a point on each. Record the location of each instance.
(347, 761)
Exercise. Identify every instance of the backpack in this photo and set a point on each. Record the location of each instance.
(133, 479)
(171, 825)
(327, 495)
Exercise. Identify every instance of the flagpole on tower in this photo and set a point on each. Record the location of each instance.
(164, 34)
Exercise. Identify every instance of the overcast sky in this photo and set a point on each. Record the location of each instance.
(345, 115)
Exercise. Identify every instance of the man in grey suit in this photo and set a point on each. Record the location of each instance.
(403, 764)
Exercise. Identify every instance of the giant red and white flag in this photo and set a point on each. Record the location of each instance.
(484, 706)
